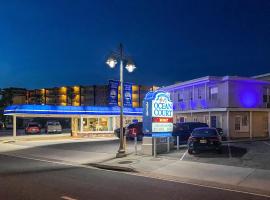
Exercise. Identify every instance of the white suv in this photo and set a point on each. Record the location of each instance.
(53, 127)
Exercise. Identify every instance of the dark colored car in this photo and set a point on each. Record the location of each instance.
(133, 130)
(184, 129)
(204, 139)
(32, 128)
(117, 132)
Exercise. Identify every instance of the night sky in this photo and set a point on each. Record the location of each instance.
(54, 43)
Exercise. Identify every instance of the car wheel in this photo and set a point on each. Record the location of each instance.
(190, 151)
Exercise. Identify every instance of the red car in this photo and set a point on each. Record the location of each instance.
(133, 130)
(32, 128)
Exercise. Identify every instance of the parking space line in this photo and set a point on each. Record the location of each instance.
(229, 149)
(184, 155)
(266, 143)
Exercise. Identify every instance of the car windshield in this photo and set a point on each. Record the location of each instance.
(206, 132)
(32, 125)
(53, 123)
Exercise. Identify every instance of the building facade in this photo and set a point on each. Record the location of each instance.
(240, 106)
(96, 95)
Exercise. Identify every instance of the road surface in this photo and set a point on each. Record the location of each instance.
(23, 178)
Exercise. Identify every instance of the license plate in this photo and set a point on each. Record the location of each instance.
(203, 141)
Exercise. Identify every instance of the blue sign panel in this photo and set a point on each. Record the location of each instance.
(113, 93)
(69, 110)
(127, 93)
(157, 114)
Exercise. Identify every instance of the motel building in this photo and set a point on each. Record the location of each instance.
(85, 120)
(238, 105)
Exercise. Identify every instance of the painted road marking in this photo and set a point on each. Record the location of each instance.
(184, 155)
(144, 175)
(67, 198)
(266, 143)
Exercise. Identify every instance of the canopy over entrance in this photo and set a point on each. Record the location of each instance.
(77, 113)
(68, 110)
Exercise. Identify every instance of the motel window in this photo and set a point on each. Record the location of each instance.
(241, 123)
(199, 93)
(190, 95)
(181, 96)
(237, 124)
(213, 92)
(244, 120)
(265, 98)
(266, 95)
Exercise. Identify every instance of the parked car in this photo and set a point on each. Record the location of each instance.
(2, 125)
(32, 128)
(53, 127)
(184, 129)
(8, 125)
(117, 132)
(130, 131)
(133, 130)
(204, 139)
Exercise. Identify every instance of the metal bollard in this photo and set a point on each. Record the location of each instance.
(135, 145)
(168, 144)
(155, 147)
(177, 142)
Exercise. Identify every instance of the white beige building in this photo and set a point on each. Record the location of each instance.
(238, 105)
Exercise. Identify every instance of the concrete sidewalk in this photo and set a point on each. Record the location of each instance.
(230, 177)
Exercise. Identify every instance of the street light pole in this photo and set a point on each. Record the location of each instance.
(121, 151)
(112, 61)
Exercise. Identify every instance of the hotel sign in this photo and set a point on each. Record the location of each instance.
(157, 114)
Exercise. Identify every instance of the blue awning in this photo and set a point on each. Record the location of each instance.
(69, 110)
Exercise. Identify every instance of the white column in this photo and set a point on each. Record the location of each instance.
(114, 123)
(205, 92)
(269, 124)
(228, 124)
(14, 126)
(81, 124)
(250, 125)
(209, 119)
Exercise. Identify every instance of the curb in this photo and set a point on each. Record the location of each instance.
(112, 167)
(245, 140)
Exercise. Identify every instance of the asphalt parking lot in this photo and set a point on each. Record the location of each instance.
(254, 154)
(9, 132)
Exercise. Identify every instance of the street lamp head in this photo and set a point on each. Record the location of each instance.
(111, 62)
(130, 66)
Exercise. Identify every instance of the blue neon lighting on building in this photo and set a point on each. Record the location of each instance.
(70, 110)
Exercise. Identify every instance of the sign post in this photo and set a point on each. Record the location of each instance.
(157, 122)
